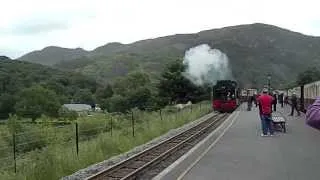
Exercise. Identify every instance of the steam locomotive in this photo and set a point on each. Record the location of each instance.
(225, 96)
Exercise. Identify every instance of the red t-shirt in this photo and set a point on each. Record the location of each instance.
(265, 102)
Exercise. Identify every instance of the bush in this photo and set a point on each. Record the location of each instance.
(67, 114)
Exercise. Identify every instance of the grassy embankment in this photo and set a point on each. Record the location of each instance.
(49, 152)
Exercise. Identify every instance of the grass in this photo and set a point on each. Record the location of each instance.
(59, 158)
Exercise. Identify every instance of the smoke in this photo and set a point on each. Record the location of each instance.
(206, 65)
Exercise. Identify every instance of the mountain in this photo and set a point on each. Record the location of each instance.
(52, 55)
(254, 50)
(4, 58)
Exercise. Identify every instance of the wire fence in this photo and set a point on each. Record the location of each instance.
(14, 147)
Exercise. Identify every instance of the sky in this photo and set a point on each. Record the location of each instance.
(28, 25)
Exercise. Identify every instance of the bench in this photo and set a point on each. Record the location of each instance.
(278, 120)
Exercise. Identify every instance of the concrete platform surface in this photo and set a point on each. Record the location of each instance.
(242, 154)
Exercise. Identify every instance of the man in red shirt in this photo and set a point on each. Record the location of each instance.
(265, 106)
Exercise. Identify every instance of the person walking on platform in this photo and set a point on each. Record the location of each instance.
(274, 102)
(255, 96)
(286, 100)
(265, 105)
(281, 99)
(250, 101)
(294, 104)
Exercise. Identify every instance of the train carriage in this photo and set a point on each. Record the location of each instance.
(306, 94)
(311, 91)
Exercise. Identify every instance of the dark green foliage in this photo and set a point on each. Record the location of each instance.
(117, 103)
(104, 92)
(310, 75)
(7, 102)
(175, 88)
(15, 76)
(84, 96)
(102, 96)
(140, 98)
(132, 91)
(35, 101)
(131, 82)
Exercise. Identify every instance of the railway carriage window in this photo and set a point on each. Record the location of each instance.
(310, 92)
(312, 89)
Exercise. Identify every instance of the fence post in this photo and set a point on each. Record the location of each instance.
(160, 115)
(14, 152)
(111, 125)
(132, 122)
(148, 123)
(77, 138)
(177, 115)
(200, 107)
(191, 108)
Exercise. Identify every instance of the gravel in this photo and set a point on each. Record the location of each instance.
(93, 169)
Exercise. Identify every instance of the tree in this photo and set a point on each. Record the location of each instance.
(118, 103)
(7, 103)
(102, 96)
(174, 87)
(84, 96)
(134, 89)
(310, 75)
(139, 98)
(35, 101)
(132, 81)
(104, 92)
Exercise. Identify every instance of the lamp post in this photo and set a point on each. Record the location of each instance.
(269, 79)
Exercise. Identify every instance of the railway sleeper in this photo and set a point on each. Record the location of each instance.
(136, 164)
(121, 172)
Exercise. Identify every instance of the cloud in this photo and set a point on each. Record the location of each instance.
(34, 24)
(39, 27)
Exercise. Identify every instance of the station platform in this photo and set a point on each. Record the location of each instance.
(242, 154)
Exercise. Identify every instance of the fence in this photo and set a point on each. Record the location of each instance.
(18, 146)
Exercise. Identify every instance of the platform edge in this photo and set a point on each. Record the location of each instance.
(184, 164)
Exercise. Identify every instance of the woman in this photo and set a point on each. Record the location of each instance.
(313, 114)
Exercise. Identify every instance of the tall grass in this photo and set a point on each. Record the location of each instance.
(59, 158)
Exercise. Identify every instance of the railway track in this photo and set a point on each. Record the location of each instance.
(151, 161)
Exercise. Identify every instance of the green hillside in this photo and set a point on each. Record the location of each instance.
(254, 50)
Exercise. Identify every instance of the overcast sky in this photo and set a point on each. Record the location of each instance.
(27, 25)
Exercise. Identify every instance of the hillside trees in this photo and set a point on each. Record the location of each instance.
(174, 87)
(16, 77)
(132, 91)
(7, 102)
(35, 101)
(84, 96)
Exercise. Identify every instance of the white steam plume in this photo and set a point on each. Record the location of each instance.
(206, 65)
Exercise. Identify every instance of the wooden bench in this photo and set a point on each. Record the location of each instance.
(278, 120)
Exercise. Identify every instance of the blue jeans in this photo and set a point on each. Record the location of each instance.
(266, 124)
